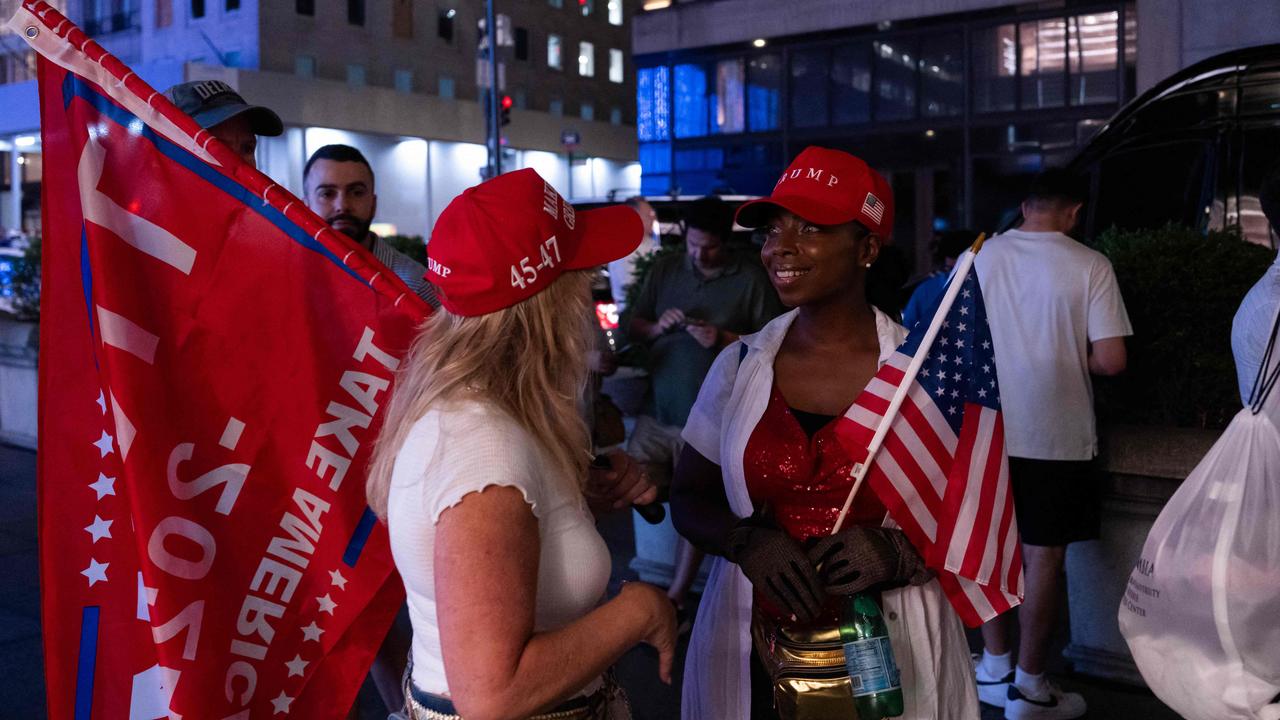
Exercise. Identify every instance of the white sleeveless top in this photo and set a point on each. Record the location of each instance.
(464, 447)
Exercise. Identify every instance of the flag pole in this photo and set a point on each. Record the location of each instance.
(859, 472)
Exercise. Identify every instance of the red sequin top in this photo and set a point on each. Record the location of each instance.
(803, 480)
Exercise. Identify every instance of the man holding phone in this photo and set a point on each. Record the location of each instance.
(690, 307)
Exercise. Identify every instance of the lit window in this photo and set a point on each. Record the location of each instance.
(615, 66)
(588, 111)
(355, 75)
(586, 59)
(587, 6)
(445, 87)
(304, 66)
(553, 52)
(556, 3)
(404, 81)
(615, 12)
(615, 116)
(555, 106)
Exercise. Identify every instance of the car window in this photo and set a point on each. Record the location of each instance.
(1153, 185)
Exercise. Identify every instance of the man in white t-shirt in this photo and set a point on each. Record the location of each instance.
(1056, 317)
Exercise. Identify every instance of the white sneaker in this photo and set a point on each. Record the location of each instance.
(1053, 705)
(991, 690)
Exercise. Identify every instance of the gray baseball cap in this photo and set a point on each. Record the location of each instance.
(210, 102)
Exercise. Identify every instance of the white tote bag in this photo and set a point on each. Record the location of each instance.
(1201, 612)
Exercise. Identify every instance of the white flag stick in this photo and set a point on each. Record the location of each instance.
(859, 472)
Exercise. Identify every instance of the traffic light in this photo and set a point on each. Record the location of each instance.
(506, 104)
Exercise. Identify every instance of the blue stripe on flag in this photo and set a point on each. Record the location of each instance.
(358, 538)
(88, 661)
(86, 276)
(80, 88)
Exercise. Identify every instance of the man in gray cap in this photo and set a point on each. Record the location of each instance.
(219, 109)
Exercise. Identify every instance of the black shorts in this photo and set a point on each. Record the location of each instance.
(1056, 501)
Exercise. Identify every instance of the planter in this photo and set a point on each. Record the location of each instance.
(1143, 466)
(18, 343)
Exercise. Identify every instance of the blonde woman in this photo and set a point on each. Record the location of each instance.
(480, 467)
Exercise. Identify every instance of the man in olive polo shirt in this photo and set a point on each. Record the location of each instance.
(690, 307)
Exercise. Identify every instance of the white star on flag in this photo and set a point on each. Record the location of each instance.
(105, 486)
(281, 703)
(95, 572)
(311, 632)
(327, 604)
(102, 402)
(296, 666)
(104, 443)
(338, 580)
(99, 529)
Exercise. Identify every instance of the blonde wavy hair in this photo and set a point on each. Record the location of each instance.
(530, 360)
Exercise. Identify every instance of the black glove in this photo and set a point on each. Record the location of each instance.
(777, 566)
(855, 559)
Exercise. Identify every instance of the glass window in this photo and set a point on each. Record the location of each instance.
(942, 75)
(615, 12)
(197, 8)
(587, 6)
(1153, 185)
(553, 52)
(616, 72)
(445, 87)
(555, 106)
(522, 44)
(691, 91)
(355, 12)
(995, 68)
(520, 99)
(729, 99)
(1043, 47)
(556, 3)
(851, 84)
(764, 91)
(404, 81)
(587, 111)
(355, 75)
(1258, 161)
(305, 7)
(402, 19)
(233, 5)
(304, 66)
(1092, 55)
(444, 24)
(586, 59)
(653, 103)
(615, 115)
(895, 78)
(809, 73)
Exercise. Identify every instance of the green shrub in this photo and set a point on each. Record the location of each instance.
(1181, 288)
(411, 245)
(26, 283)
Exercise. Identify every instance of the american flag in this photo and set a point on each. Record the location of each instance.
(873, 208)
(942, 470)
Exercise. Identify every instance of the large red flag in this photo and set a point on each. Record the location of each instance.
(214, 365)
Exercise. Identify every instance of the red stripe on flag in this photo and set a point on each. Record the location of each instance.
(912, 413)
(980, 542)
(918, 478)
(894, 503)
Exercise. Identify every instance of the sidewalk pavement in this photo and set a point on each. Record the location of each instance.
(22, 693)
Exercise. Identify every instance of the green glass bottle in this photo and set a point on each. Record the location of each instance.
(873, 672)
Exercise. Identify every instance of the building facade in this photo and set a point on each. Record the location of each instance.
(958, 102)
(403, 80)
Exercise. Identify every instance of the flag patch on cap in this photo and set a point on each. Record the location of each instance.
(873, 208)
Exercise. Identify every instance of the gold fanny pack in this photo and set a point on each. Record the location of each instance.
(807, 668)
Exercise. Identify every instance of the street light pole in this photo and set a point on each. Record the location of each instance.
(492, 121)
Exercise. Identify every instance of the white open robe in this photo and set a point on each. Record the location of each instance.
(928, 639)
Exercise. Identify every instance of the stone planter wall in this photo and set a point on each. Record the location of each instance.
(18, 343)
(1144, 467)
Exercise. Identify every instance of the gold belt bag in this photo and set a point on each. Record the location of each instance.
(807, 667)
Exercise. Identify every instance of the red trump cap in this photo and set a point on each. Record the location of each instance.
(827, 187)
(505, 240)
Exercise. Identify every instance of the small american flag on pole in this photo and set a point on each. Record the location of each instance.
(939, 463)
(873, 208)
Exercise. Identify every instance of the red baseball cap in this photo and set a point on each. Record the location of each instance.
(827, 187)
(505, 240)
